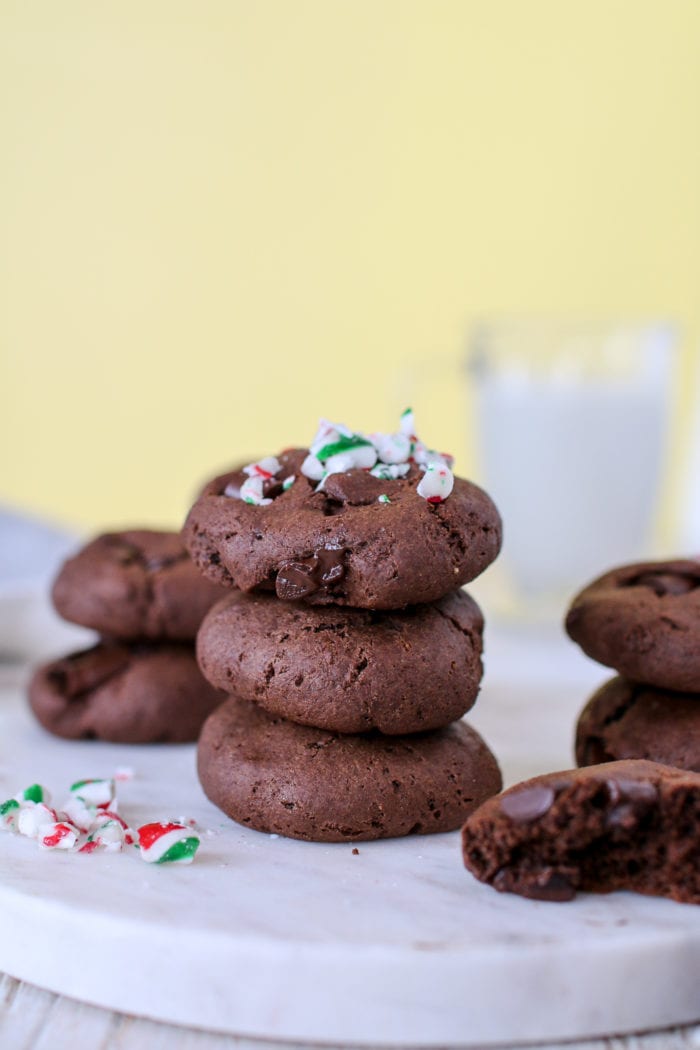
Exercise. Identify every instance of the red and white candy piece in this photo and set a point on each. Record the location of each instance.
(437, 483)
(34, 818)
(167, 843)
(265, 468)
(58, 835)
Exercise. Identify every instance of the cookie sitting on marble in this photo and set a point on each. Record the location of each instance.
(346, 670)
(629, 825)
(138, 583)
(643, 620)
(375, 522)
(127, 693)
(305, 783)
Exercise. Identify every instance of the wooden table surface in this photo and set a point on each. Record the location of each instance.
(33, 1019)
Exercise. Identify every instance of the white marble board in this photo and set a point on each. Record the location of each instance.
(273, 938)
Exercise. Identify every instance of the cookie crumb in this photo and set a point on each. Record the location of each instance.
(356, 852)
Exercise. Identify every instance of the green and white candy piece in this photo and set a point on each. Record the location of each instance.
(252, 491)
(79, 812)
(9, 812)
(34, 793)
(390, 471)
(392, 448)
(100, 793)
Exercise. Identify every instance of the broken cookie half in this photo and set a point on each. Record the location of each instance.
(628, 825)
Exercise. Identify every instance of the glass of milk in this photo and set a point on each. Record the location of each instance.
(571, 426)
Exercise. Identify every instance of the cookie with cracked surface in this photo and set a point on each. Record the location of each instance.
(347, 670)
(305, 783)
(643, 620)
(139, 583)
(630, 825)
(342, 545)
(140, 693)
(624, 719)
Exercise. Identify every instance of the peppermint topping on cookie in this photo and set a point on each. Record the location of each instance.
(336, 449)
(436, 484)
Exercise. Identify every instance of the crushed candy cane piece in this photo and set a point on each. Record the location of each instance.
(89, 822)
(34, 818)
(436, 484)
(9, 812)
(100, 793)
(79, 812)
(167, 843)
(34, 793)
(390, 471)
(392, 448)
(59, 835)
(337, 449)
(265, 468)
(252, 491)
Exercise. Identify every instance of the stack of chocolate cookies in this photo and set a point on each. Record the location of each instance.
(349, 651)
(139, 590)
(643, 620)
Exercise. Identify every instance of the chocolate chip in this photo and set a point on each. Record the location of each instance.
(299, 579)
(294, 581)
(627, 790)
(548, 884)
(528, 804)
(355, 487)
(330, 566)
(663, 583)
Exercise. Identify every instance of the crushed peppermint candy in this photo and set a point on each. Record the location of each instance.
(164, 843)
(436, 484)
(336, 449)
(88, 821)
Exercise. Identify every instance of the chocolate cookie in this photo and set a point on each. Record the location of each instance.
(135, 584)
(364, 541)
(627, 720)
(347, 670)
(143, 693)
(644, 621)
(306, 783)
(630, 825)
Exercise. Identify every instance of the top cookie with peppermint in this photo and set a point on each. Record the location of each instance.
(373, 521)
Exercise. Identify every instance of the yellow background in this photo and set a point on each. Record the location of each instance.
(220, 220)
